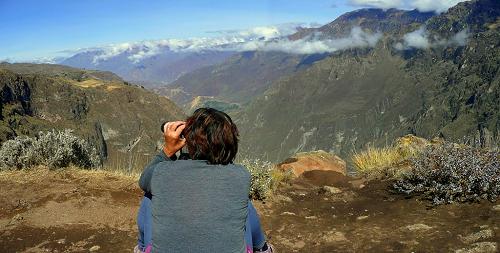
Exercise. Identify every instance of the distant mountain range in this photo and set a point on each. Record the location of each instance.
(152, 71)
(159, 62)
(248, 74)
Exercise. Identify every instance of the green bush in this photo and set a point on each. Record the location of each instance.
(54, 149)
(264, 178)
(453, 173)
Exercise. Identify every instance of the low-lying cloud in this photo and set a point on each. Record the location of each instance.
(421, 39)
(272, 38)
(383, 4)
(437, 6)
(138, 51)
(356, 39)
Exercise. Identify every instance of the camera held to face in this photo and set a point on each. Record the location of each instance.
(183, 155)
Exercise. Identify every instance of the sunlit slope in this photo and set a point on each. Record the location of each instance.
(357, 97)
(121, 119)
(248, 74)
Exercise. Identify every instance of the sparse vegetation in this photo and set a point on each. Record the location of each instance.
(54, 149)
(264, 178)
(453, 173)
(377, 162)
(390, 161)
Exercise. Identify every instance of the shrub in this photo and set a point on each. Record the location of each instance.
(390, 161)
(451, 173)
(264, 178)
(55, 149)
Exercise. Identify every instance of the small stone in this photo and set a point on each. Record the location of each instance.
(496, 208)
(288, 213)
(311, 217)
(474, 237)
(299, 244)
(94, 248)
(480, 247)
(418, 226)
(333, 236)
(283, 198)
(61, 241)
(362, 217)
(17, 218)
(332, 190)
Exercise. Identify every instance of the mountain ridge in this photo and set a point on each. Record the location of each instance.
(120, 119)
(370, 97)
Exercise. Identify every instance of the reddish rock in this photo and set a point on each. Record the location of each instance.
(316, 160)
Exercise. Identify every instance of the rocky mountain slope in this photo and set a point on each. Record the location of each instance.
(392, 21)
(247, 75)
(238, 79)
(447, 86)
(122, 120)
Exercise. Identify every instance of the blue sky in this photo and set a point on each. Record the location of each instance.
(34, 28)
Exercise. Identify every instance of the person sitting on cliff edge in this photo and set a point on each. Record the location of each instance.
(199, 204)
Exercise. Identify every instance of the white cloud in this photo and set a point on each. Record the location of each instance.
(437, 6)
(460, 38)
(272, 38)
(137, 51)
(417, 39)
(433, 5)
(422, 40)
(383, 4)
(357, 39)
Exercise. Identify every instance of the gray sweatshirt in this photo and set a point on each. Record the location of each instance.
(197, 207)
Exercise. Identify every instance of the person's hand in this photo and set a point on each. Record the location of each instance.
(172, 134)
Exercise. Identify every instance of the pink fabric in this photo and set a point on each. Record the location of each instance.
(148, 249)
(249, 250)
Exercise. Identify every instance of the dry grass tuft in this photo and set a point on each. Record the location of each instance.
(388, 162)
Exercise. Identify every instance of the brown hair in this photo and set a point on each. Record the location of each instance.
(211, 135)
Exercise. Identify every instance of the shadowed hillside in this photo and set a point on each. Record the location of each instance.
(120, 119)
(247, 75)
(365, 96)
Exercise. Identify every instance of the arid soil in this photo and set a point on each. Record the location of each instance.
(80, 211)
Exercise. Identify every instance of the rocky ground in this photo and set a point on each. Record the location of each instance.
(79, 211)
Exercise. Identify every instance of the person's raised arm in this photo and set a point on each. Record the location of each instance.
(173, 143)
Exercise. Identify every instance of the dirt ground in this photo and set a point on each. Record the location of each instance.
(80, 211)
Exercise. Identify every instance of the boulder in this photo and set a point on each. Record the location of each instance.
(315, 160)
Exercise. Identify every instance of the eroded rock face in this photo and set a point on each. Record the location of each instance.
(316, 160)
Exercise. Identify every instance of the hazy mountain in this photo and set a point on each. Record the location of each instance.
(158, 62)
(112, 114)
(248, 74)
(436, 79)
(159, 69)
(238, 79)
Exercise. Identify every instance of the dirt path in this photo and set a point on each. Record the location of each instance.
(78, 211)
(67, 211)
(306, 217)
